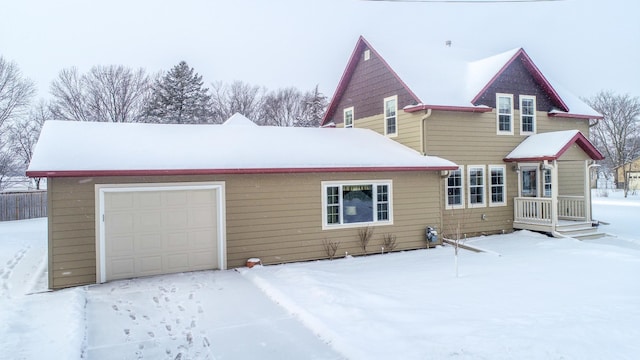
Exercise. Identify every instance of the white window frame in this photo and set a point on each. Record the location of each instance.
(367, 55)
(533, 116)
(462, 190)
(546, 183)
(503, 168)
(344, 117)
(386, 118)
(341, 224)
(470, 168)
(498, 113)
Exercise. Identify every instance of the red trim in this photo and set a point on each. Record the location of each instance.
(579, 139)
(576, 116)
(535, 72)
(473, 109)
(361, 44)
(531, 159)
(82, 173)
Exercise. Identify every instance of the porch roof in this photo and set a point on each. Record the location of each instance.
(551, 146)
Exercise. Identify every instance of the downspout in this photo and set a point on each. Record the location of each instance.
(423, 135)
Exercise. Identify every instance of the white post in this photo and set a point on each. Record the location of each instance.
(554, 195)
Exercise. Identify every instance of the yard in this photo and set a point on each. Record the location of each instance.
(527, 297)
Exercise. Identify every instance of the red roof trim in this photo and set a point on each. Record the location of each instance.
(575, 116)
(361, 44)
(82, 173)
(535, 72)
(578, 138)
(474, 109)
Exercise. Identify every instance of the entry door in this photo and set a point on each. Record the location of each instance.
(529, 182)
(151, 232)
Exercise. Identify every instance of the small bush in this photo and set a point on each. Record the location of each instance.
(331, 247)
(389, 242)
(364, 235)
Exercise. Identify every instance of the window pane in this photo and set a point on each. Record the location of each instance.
(476, 185)
(497, 185)
(390, 116)
(383, 202)
(454, 188)
(333, 205)
(357, 202)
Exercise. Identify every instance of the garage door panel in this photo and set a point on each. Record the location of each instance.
(122, 267)
(201, 239)
(148, 242)
(176, 198)
(121, 245)
(177, 240)
(120, 201)
(201, 216)
(151, 232)
(148, 200)
(149, 265)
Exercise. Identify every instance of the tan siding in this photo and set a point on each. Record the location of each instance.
(277, 218)
(571, 178)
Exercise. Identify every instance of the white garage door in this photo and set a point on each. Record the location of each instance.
(151, 232)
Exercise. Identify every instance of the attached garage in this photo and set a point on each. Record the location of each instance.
(152, 229)
(173, 198)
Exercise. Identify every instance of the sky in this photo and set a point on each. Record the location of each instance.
(585, 45)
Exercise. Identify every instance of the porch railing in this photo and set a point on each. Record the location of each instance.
(571, 208)
(528, 209)
(538, 210)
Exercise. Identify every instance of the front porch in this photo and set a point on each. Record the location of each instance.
(571, 219)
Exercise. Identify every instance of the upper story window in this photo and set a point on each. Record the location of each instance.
(367, 55)
(455, 189)
(390, 116)
(356, 203)
(504, 111)
(348, 117)
(527, 114)
(476, 185)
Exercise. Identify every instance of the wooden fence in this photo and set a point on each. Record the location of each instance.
(23, 205)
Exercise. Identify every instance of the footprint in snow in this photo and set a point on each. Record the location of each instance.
(155, 299)
(114, 307)
(132, 316)
(151, 334)
(168, 326)
(193, 324)
(181, 307)
(205, 342)
(200, 310)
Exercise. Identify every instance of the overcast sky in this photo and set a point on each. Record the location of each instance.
(586, 45)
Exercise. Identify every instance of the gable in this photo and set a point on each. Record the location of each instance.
(365, 84)
(516, 79)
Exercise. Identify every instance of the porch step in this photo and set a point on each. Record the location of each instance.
(582, 231)
(574, 225)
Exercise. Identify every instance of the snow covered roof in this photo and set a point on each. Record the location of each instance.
(452, 78)
(69, 148)
(238, 119)
(551, 146)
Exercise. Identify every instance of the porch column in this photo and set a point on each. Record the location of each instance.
(554, 195)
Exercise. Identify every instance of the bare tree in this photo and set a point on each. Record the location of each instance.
(618, 133)
(16, 91)
(239, 97)
(24, 134)
(314, 104)
(282, 107)
(111, 93)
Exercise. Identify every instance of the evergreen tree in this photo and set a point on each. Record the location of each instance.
(314, 104)
(179, 98)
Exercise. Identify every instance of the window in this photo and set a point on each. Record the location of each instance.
(504, 107)
(367, 55)
(348, 117)
(390, 115)
(476, 186)
(455, 193)
(498, 185)
(547, 183)
(356, 203)
(527, 114)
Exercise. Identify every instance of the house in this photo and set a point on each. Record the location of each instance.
(628, 172)
(128, 200)
(521, 141)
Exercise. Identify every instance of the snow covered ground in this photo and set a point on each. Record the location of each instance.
(527, 297)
